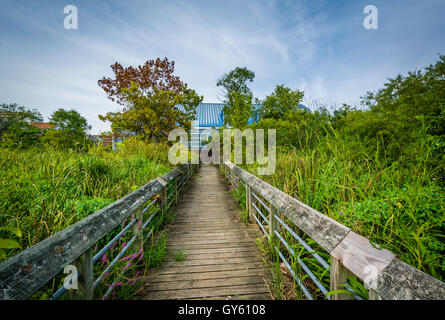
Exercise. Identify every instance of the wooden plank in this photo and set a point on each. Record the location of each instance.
(207, 292)
(232, 234)
(359, 256)
(202, 232)
(193, 250)
(400, 281)
(208, 283)
(374, 295)
(202, 221)
(243, 297)
(205, 221)
(192, 241)
(210, 268)
(209, 227)
(206, 262)
(219, 253)
(201, 246)
(208, 275)
(215, 255)
(85, 288)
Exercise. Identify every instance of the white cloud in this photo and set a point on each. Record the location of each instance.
(302, 44)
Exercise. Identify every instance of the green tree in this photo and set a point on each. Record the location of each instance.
(400, 113)
(238, 96)
(282, 101)
(240, 110)
(151, 95)
(15, 126)
(70, 130)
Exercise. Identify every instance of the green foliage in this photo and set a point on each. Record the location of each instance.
(150, 94)
(45, 190)
(9, 243)
(15, 126)
(281, 103)
(406, 106)
(70, 130)
(156, 250)
(355, 288)
(69, 121)
(238, 110)
(378, 170)
(180, 255)
(238, 96)
(153, 115)
(236, 81)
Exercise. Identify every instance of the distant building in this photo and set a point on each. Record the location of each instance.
(211, 115)
(208, 116)
(43, 126)
(106, 140)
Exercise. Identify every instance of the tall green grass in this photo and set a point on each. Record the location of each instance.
(43, 191)
(398, 205)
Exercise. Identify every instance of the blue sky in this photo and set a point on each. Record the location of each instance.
(317, 46)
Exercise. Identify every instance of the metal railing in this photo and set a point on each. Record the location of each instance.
(280, 216)
(27, 272)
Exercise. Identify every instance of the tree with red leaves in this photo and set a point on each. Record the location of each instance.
(150, 95)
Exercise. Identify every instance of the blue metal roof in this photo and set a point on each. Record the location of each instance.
(211, 114)
(208, 114)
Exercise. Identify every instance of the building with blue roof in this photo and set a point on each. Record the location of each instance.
(211, 115)
(208, 116)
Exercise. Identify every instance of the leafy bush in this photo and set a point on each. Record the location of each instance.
(378, 170)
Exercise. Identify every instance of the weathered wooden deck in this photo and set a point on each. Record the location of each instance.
(222, 259)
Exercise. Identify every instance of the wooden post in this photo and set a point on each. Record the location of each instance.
(137, 230)
(85, 287)
(374, 295)
(176, 189)
(249, 206)
(164, 199)
(339, 276)
(273, 223)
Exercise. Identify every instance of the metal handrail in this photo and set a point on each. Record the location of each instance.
(350, 253)
(24, 274)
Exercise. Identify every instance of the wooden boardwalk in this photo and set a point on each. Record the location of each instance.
(222, 260)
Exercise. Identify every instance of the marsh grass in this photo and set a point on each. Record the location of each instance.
(181, 255)
(43, 191)
(397, 205)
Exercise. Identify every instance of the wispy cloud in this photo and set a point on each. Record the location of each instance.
(318, 46)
